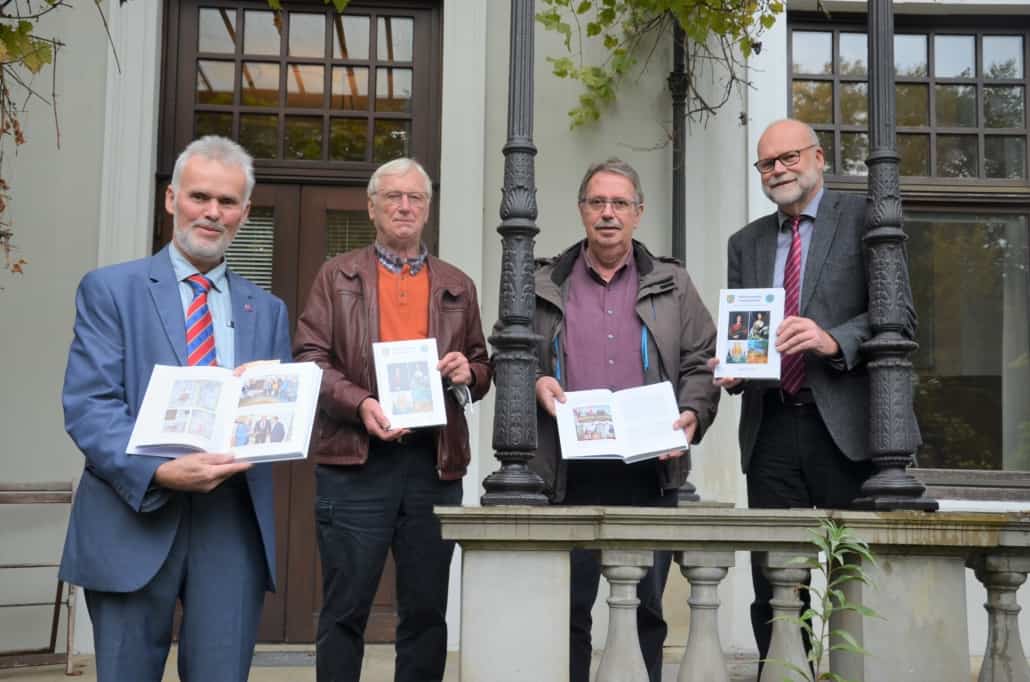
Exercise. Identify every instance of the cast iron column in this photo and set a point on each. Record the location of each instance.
(892, 441)
(515, 357)
(678, 89)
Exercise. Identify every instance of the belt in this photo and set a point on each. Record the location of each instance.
(802, 399)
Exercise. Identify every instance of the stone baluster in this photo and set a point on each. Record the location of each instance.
(622, 660)
(787, 649)
(703, 657)
(1002, 574)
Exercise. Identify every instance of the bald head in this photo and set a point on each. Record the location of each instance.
(795, 175)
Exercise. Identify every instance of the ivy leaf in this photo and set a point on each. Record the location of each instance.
(583, 7)
(593, 29)
(39, 56)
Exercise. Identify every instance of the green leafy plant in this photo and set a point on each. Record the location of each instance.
(841, 553)
(717, 33)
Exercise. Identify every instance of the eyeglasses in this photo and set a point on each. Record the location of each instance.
(415, 199)
(597, 204)
(787, 159)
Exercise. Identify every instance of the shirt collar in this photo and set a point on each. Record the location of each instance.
(183, 269)
(589, 262)
(395, 263)
(810, 211)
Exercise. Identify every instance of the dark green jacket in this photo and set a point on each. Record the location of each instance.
(680, 337)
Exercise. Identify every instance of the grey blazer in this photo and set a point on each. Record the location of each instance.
(834, 295)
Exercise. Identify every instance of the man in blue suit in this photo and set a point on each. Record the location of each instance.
(147, 531)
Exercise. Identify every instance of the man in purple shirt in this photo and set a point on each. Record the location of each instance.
(610, 314)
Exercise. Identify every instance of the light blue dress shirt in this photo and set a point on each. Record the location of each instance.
(219, 303)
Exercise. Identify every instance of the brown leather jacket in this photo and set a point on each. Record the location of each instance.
(336, 330)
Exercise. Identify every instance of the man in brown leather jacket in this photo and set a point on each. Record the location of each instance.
(376, 485)
(612, 315)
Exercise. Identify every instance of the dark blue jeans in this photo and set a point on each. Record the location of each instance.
(616, 484)
(363, 511)
(795, 464)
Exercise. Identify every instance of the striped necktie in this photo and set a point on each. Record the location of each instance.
(200, 332)
(792, 369)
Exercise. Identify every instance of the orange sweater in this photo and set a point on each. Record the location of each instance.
(403, 304)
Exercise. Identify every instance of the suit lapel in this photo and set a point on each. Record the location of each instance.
(164, 294)
(823, 233)
(244, 317)
(765, 251)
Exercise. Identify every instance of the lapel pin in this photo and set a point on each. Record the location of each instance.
(248, 308)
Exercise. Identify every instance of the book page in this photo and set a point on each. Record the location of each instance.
(274, 413)
(586, 426)
(180, 408)
(746, 340)
(646, 415)
(410, 387)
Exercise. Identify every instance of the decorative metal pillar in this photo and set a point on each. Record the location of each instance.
(514, 439)
(892, 440)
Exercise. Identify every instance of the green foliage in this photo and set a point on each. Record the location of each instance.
(340, 5)
(841, 553)
(722, 31)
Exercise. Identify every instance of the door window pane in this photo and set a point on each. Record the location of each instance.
(914, 151)
(1004, 107)
(390, 140)
(259, 134)
(346, 230)
(260, 85)
(956, 156)
(395, 39)
(350, 37)
(912, 104)
(1005, 157)
(303, 138)
(348, 139)
(350, 88)
(813, 101)
(853, 54)
(954, 56)
(910, 56)
(393, 90)
(956, 105)
(252, 250)
(854, 108)
(969, 284)
(212, 123)
(260, 32)
(1003, 56)
(826, 142)
(812, 52)
(307, 35)
(854, 150)
(217, 30)
(216, 82)
(305, 86)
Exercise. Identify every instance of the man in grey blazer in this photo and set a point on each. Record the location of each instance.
(148, 531)
(803, 440)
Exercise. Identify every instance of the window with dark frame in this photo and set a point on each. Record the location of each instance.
(962, 136)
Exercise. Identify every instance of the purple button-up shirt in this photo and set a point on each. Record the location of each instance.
(602, 329)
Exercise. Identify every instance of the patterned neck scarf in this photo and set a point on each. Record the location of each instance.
(394, 263)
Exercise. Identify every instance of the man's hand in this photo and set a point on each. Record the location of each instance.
(201, 472)
(376, 423)
(724, 382)
(547, 391)
(455, 367)
(686, 423)
(800, 334)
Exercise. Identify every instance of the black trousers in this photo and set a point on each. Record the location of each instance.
(361, 512)
(616, 484)
(795, 463)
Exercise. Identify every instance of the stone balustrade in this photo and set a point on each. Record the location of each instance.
(515, 588)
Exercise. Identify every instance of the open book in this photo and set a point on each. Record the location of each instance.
(264, 415)
(410, 387)
(632, 424)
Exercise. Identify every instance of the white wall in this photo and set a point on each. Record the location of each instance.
(53, 208)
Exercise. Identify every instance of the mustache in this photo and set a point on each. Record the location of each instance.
(607, 223)
(209, 225)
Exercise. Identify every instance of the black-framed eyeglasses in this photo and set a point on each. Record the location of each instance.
(597, 204)
(787, 159)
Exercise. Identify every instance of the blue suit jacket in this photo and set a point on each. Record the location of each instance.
(129, 318)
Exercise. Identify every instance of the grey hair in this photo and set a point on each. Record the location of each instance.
(618, 167)
(221, 149)
(400, 167)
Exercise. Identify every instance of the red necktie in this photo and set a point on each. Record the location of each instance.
(792, 367)
(200, 333)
